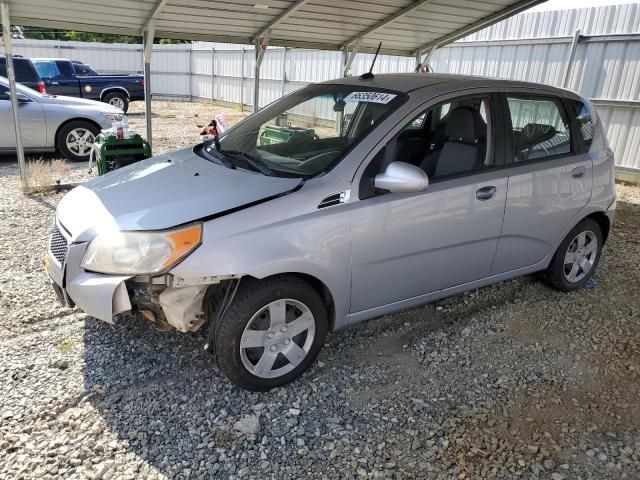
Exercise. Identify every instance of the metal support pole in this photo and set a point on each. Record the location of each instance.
(284, 72)
(256, 76)
(242, 82)
(426, 62)
(572, 54)
(260, 46)
(351, 56)
(213, 72)
(147, 44)
(8, 49)
(189, 73)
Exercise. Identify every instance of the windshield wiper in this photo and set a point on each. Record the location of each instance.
(256, 164)
(220, 157)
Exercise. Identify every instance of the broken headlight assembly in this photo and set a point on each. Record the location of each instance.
(140, 252)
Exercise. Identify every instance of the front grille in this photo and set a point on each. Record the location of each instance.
(58, 244)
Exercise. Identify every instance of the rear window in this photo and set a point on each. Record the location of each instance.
(83, 70)
(540, 129)
(24, 69)
(66, 69)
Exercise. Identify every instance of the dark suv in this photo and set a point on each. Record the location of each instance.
(26, 73)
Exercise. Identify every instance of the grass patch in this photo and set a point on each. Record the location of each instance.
(65, 346)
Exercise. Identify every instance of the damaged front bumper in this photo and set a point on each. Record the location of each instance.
(105, 296)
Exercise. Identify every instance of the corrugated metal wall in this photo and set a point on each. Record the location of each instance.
(531, 46)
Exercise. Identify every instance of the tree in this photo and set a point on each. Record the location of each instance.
(39, 33)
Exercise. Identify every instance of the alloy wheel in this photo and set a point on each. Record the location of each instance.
(117, 102)
(277, 339)
(80, 141)
(580, 256)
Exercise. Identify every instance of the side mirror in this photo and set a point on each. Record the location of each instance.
(401, 177)
(22, 98)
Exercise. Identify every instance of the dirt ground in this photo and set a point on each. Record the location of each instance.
(510, 381)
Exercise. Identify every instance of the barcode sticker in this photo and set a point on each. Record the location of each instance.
(374, 97)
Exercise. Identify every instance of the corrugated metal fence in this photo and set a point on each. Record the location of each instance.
(534, 47)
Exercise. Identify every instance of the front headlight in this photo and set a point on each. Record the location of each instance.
(139, 253)
(114, 117)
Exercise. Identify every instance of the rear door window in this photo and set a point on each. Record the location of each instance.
(47, 69)
(540, 128)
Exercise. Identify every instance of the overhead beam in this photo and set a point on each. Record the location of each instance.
(153, 15)
(386, 21)
(283, 15)
(480, 24)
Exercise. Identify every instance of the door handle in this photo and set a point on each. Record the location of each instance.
(578, 172)
(485, 193)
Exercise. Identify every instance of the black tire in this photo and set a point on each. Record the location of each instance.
(252, 296)
(120, 99)
(555, 274)
(76, 126)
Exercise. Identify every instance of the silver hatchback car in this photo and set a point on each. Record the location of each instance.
(340, 202)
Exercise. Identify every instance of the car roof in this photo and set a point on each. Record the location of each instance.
(408, 82)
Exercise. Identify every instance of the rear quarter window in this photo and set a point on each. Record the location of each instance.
(24, 70)
(584, 121)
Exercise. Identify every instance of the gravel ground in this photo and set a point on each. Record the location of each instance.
(510, 381)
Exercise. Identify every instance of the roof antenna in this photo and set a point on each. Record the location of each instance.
(369, 74)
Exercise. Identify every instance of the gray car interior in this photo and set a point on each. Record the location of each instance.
(453, 144)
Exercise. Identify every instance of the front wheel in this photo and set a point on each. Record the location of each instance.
(271, 333)
(576, 258)
(75, 140)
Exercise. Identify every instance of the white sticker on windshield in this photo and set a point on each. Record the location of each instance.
(374, 97)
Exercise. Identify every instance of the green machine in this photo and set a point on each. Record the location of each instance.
(275, 134)
(111, 153)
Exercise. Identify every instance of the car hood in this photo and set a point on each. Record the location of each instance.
(80, 102)
(163, 192)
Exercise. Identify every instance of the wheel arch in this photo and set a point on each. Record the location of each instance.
(603, 221)
(107, 90)
(316, 284)
(321, 289)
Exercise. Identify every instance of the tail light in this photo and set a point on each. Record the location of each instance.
(41, 88)
(142, 82)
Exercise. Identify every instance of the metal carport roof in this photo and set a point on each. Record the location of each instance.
(405, 27)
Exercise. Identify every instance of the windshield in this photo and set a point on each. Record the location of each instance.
(307, 132)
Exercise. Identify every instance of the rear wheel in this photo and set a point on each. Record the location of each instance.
(118, 100)
(272, 332)
(75, 140)
(576, 258)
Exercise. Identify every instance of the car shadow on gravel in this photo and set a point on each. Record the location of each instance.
(159, 392)
(163, 397)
